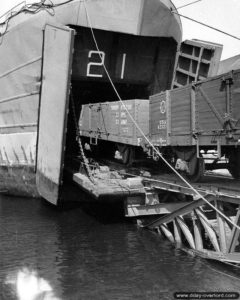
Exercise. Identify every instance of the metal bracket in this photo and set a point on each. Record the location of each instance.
(93, 141)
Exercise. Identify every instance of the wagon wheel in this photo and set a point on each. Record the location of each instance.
(126, 153)
(196, 169)
(234, 163)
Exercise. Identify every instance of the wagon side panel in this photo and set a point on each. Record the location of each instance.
(210, 106)
(218, 109)
(111, 121)
(181, 116)
(236, 98)
(158, 119)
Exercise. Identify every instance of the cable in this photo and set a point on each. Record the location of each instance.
(211, 27)
(142, 133)
(188, 4)
(23, 2)
(32, 8)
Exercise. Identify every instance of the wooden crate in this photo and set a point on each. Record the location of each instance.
(110, 121)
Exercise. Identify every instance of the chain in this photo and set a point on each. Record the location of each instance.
(83, 156)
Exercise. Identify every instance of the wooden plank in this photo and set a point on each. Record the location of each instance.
(186, 231)
(177, 233)
(217, 114)
(235, 234)
(209, 230)
(232, 258)
(102, 187)
(182, 211)
(197, 232)
(193, 110)
(156, 209)
(168, 117)
(221, 225)
(167, 232)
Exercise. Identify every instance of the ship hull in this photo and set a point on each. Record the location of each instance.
(36, 79)
(19, 180)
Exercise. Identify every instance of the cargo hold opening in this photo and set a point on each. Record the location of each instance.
(139, 66)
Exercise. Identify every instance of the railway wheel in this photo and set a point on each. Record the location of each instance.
(127, 154)
(196, 169)
(234, 163)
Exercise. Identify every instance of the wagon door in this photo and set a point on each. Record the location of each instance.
(56, 72)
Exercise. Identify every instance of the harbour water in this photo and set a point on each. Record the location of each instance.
(79, 253)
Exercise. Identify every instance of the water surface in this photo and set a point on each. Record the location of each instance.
(76, 254)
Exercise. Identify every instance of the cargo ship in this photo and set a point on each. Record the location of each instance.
(52, 58)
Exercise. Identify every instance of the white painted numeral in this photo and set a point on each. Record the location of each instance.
(123, 65)
(99, 64)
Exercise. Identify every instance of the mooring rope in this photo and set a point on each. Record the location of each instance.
(142, 133)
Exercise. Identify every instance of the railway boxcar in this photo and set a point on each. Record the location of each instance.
(199, 117)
